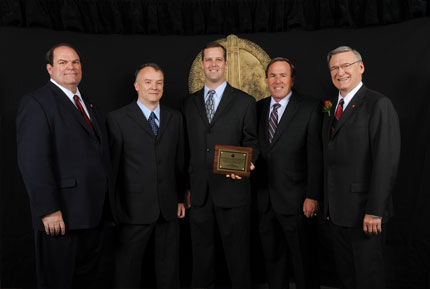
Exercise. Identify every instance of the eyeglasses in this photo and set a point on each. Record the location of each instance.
(344, 66)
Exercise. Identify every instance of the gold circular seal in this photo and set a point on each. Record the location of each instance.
(246, 67)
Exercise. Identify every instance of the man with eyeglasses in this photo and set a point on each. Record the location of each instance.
(361, 145)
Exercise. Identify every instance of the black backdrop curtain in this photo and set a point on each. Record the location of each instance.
(190, 17)
(396, 58)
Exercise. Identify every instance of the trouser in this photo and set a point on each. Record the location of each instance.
(70, 260)
(359, 257)
(283, 237)
(233, 225)
(133, 240)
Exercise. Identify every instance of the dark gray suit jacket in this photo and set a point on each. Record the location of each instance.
(290, 168)
(148, 169)
(361, 159)
(234, 124)
(65, 166)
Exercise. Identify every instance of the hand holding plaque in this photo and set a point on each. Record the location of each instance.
(232, 160)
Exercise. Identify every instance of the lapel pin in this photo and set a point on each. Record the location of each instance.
(353, 105)
(91, 105)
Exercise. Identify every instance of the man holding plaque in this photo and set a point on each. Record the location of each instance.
(219, 114)
(289, 173)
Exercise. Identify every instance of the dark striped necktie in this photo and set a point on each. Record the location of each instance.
(273, 121)
(152, 123)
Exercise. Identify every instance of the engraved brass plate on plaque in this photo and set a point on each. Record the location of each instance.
(232, 160)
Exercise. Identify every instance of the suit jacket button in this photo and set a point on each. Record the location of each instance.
(208, 150)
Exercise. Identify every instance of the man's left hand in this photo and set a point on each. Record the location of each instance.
(236, 177)
(372, 224)
(310, 208)
(181, 210)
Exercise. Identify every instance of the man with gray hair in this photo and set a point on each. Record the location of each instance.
(361, 148)
(147, 144)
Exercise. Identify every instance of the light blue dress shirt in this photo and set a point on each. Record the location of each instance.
(219, 91)
(147, 112)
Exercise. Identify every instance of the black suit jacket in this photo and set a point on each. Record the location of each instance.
(65, 166)
(360, 159)
(148, 169)
(290, 168)
(234, 123)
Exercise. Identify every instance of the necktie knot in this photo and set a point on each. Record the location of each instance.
(339, 109)
(210, 107)
(276, 106)
(152, 123)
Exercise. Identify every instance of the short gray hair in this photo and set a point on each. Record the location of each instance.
(342, 49)
(150, 64)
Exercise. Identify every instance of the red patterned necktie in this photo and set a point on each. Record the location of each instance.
(339, 109)
(81, 109)
(339, 112)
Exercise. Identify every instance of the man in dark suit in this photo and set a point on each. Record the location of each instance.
(361, 144)
(147, 148)
(289, 173)
(219, 114)
(64, 160)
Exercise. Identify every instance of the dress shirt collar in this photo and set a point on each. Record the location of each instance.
(283, 102)
(147, 112)
(218, 91)
(68, 92)
(349, 96)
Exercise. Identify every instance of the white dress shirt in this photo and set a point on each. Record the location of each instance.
(70, 96)
(283, 102)
(348, 97)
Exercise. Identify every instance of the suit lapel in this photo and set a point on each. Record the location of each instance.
(70, 108)
(351, 108)
(264, 124)
(199, 101)
(287, 116)
(165, 117)
(224, 103)
(93, 117)
(328, 120)
(137, 115)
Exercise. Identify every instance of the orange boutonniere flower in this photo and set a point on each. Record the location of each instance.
(327, 106)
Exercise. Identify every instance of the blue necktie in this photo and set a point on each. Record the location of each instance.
(152, 123)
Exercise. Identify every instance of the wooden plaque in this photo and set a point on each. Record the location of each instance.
(232, 160)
